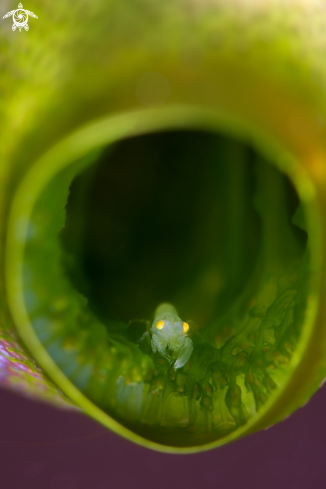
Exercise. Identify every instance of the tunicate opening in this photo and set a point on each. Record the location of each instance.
(193, 218)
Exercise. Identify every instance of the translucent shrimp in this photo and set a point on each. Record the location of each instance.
(168, 336)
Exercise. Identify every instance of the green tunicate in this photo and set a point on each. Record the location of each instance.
(243, 349)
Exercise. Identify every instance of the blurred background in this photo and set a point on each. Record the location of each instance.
(43, 447)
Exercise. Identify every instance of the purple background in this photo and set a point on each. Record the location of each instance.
(45, 448)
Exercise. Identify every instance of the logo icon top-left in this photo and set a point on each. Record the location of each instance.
(20, 18)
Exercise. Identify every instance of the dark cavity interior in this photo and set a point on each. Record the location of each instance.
(166, 217)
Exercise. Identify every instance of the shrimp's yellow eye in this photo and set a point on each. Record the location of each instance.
(160, 325)
(185, 327)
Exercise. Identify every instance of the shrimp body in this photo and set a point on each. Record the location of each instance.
(169, 336)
